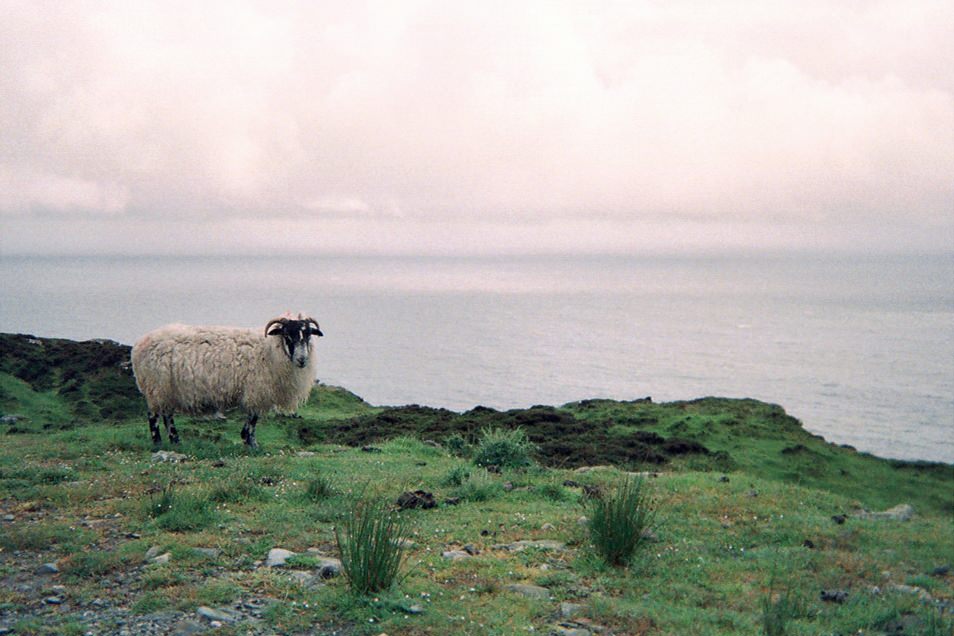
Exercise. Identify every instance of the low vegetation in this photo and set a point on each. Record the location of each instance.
(755, 528)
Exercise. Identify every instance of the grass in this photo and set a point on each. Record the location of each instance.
(503, 449)
(85, 497)
(619, 521)
(370, 544)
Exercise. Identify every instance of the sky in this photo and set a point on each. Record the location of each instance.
(235, 127)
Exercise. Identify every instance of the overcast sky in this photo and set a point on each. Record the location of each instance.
(479, 127)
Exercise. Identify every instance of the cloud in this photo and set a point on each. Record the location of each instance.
(434, 116)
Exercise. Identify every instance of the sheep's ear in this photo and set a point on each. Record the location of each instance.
(315, 331)
(276, 331)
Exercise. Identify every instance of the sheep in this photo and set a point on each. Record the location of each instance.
(196, 370)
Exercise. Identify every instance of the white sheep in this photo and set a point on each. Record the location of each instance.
(195, 370)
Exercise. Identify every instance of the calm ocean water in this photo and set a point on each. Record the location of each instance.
(860, 349)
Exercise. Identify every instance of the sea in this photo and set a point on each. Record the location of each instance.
(859, 348)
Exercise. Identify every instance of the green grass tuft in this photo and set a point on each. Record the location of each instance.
(371, 546)
(504, 449)
(619, 519)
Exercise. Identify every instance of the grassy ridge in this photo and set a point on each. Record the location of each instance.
(745, 498)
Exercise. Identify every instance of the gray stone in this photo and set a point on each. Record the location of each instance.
(9, 517)
(302, 578)
(901, 512)
(305, 454)
(169, 456)
(548, 526)
(277, 557)
(211, 553)
(151, 553)
(53, 600)
(569, 630)
(921, 593)
(221, 614)
(530, 591)
(589, 469)
(48, 568)
(568, 610)
(540, 544)
(187, 628)
(415, 609)
(328, 567)
(162, 559)
(455, 555)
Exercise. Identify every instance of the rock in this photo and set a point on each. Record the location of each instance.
(169, 456)
(901, 512)
(589, 469)
(9, 517)
(53, 600)
(415, 609)
(570, 630)
(839, 519)
(212, 553)
(162, 559)
(941, 570)
(305, 454)
(547, 526)
(416, 499)
(371, 449)
(834, 596)
(592, 492)
(303, 578)
(187, 628)
(328, 567)
(47, 568)
(540, 544)
(568, 610)
(471, 549)
(724, 479)
(530, 591)
(151, 553)
(10, 419)
(221, 614)
(277, 556)
(582, 521)
(921, 593)
(455, 555)
(808, 543)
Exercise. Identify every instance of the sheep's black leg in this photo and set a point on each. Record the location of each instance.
(154, 429)
(248, 431)
(171, 431)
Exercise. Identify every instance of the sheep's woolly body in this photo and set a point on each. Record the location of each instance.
(181, 368)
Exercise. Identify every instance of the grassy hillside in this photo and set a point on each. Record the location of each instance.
(756, 517)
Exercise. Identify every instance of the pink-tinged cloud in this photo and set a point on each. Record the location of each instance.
(476, 126)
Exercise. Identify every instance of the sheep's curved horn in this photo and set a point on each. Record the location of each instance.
(275, 321)
(317, 330)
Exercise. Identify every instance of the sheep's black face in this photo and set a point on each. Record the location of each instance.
(296, 338)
